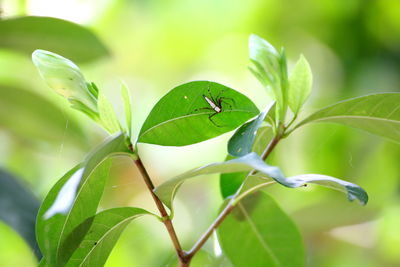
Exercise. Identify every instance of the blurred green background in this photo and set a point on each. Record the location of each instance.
(353, 48)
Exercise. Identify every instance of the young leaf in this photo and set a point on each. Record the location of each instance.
(166, 191)
(127, 108)
(107, 114)
(353, 191)
(230, 182)
(28, 33)
(18, 209)
(64, 77)
(74, 198)
(270, 69)
(241, 142)
(378, 114)
(300, 84)
(268, 237)
(194, 112)
(90, 243)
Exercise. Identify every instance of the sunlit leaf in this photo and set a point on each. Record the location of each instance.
(64, 77)
(300, 84)
(269, 67)
(242, 141)
(107, 115)
(126, 97)
(71, 40)
(378, 114)
(91, 242)
(183, 116)
(167, 191)
(258, 233)
(18, 209)
(74, 198)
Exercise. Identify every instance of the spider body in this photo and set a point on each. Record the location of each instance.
(215, 104)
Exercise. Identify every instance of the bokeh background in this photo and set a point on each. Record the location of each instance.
(353, 47)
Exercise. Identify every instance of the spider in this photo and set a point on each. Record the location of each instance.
(215, 104)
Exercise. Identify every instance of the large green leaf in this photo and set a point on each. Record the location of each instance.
(71, 40)
(259, 233)
(18, 208)
(167, 191)
(353, 191)
(36, 118)
(241, 143)
(378, 114)
(90, 243)
(74, 198)
(230, 182)
(183, 116)
(300, 84)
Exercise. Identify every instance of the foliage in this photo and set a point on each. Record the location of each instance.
(71, 231)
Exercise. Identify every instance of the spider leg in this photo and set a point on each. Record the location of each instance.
(228, 101)
(204, 108)
(213, 122)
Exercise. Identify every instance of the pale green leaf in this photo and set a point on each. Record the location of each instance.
(107, 114)
(378, 114)
(167, 191)
(300, 83)
(353, 191)
(127, 108)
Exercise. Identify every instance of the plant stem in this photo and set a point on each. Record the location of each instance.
(227, 210)
(165, 218)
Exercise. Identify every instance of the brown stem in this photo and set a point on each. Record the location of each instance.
(166, 220)
(227, 210)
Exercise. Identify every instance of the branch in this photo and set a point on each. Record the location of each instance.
(164, 215)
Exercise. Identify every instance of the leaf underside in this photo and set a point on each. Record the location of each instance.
(378, 114)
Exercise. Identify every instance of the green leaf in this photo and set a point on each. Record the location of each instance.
(90, 243)
(270, 69)
(29, 33)
(230, 182)
(183, 116)
(167, 191)
(18, 209)
(378, 114)
(268, 237)
(241, 143)
(107, 114)
(64, 77)
(353, 191)
(126, 97)
(38, 118)
(74, 198)
(300, 84)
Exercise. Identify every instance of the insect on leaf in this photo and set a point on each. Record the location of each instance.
(195, 112)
